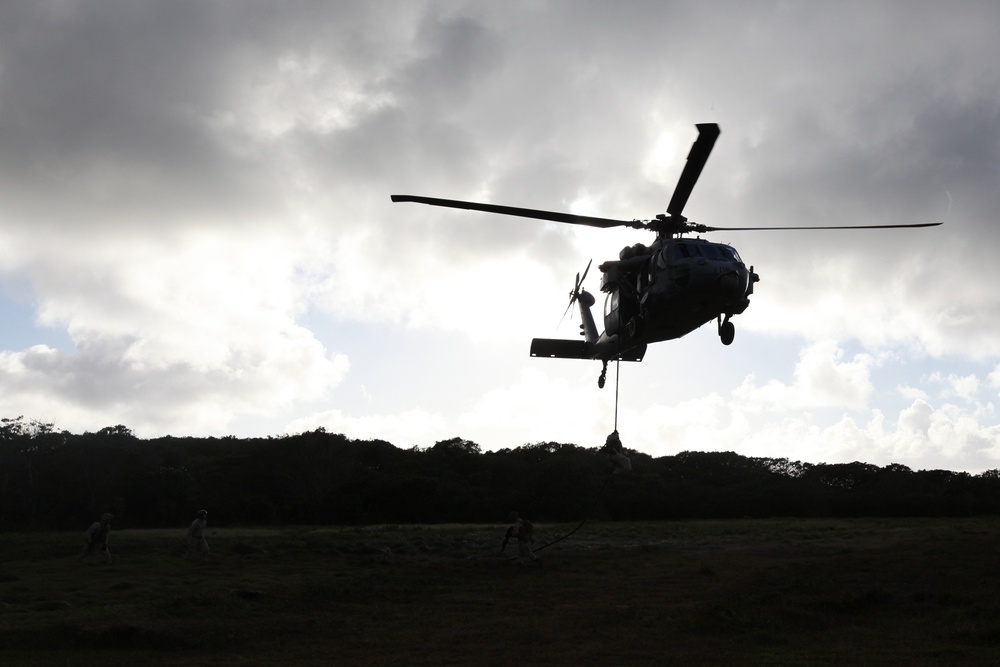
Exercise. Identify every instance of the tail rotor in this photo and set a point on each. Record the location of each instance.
(574, 296)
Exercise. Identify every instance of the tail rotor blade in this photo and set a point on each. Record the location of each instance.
(575, 294)
(579, 280)
(568, 306)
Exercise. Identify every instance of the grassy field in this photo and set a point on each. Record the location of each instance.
(781, 592)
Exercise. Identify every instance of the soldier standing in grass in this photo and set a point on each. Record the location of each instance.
(522, 530)
(96, 538)
(196, 534)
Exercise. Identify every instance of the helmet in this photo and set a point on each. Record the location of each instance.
(107, 517)
(202, 512)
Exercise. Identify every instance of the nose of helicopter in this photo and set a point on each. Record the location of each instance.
(733, 283)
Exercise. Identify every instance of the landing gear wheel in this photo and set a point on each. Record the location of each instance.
(727, 332)
(603, 377)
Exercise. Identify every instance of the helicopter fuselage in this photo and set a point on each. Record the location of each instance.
(683, 284)
(659, 293)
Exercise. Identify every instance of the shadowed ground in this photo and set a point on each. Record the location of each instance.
(783, 592)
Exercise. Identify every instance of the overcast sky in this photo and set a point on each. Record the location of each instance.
(196, 236)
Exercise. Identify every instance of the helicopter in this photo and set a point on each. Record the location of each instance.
(657, 292)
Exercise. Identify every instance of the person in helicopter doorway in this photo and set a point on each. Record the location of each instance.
(196, 534)
(522, 530)
(613, 448)
(96, 538)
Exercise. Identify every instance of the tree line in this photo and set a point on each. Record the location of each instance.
(53, 479)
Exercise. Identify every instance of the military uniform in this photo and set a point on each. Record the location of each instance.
(196, 533)
(96, 538)
(522, 531)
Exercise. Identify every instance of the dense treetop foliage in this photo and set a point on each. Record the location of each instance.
(59, 480)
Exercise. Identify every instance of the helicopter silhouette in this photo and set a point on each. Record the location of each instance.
(657, 292)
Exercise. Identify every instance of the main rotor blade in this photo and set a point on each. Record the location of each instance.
(703, 228)
(568, 218)
(707, 134)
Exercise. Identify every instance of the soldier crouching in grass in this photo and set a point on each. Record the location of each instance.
(96, 538)
(522, 530)
(196, 535)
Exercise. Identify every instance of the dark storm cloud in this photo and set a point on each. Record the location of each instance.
(455, 56)
(106, 107)
(121, 108)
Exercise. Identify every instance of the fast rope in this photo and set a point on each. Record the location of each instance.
(618, 365)
(579, 525)
(607, 480)
(600, 492)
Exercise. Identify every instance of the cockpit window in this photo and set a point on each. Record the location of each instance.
(714, 251)
(710, 251)
(611, 303)
(725, 253)
(684, 251)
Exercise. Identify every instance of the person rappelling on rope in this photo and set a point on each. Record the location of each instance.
(613, 445)
(522, 531)
(613, 449)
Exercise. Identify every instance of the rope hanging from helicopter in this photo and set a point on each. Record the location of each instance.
(593, 506)
(614, 468)
(618, 365)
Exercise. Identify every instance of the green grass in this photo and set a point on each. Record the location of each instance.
(768, 592)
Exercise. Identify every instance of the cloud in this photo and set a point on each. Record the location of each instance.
(541, 408)
(965, 387)
(821, 380)
(184, 186)
(789, 419)
(913, 393)
(177, 334)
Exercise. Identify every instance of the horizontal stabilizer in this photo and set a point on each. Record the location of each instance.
(555, 348)
(634, 353)
(560, 349)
